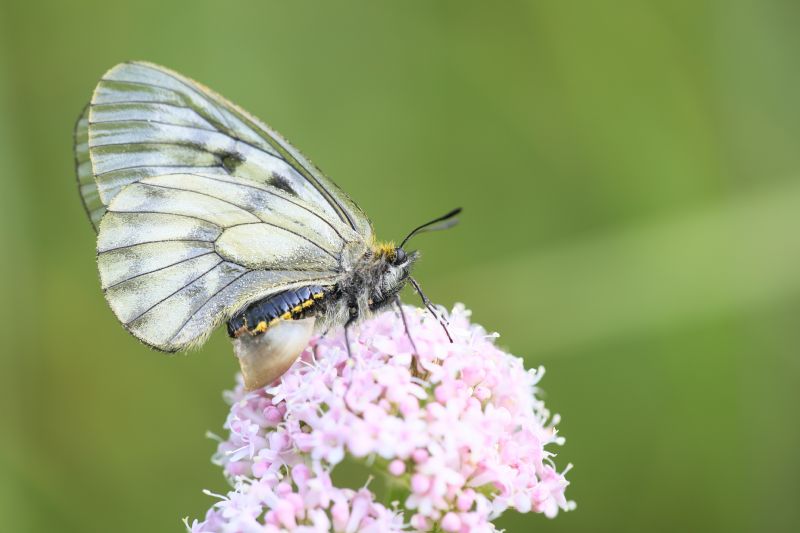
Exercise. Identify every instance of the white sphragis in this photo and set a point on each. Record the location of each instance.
(204, 215)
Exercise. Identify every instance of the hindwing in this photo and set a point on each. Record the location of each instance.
(180, 253)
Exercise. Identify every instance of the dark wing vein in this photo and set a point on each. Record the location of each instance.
(156, 144)
(273, 193)
(195, 167)
(160, 268)
(173, 214)
(78, 164)
(146, 102)
(194, 313)
(140, 315)
(248, 211)
(147, 121)
(151, 242)
(180, 81)
(284, 154)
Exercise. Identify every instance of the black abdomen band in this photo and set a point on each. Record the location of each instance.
(288, 305)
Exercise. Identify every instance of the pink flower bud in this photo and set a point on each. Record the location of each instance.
(420, 522)
(272, 414)
(340, 514)
(451, 522)
(420, 483)
(465, 499)
(284, 511)
(283, 489)
(420, 456)
(397, 467)
(300, 474)
(260, 468)
(482, 393)
(460, 423)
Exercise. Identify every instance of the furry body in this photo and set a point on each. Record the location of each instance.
(370, 279)
(204, 214)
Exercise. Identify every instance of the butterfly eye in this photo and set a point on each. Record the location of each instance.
(400, 256)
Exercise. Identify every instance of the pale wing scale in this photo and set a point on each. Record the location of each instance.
(110, 157)
(193, 98)
(208, 313)
(117, 179)
(112, 92)
(116, 133)
(175, 262)
(83, 169)
(131, 299)
(210, 105)
(159, 324)
(269, 204)
(143, 74)
(122, 264)
(118, 230)
(146, 196)
(264, 246)
(141, 97)
(128, 112)
(208, 208)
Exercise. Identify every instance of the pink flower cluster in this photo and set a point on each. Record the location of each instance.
(455, 435)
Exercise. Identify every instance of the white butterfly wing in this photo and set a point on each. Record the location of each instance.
(87, 186)
(180, 253)
(146, 120)
(200, 208)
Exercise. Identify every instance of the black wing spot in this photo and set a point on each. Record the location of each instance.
(230, 162)
(282, 183)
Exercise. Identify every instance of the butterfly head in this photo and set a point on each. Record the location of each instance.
(393, 263)
(390, 266)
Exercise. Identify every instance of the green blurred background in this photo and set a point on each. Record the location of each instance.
(630, 175)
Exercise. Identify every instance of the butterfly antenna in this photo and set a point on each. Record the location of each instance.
(429, 305)
(443, 222)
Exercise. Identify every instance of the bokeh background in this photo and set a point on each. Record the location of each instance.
(630, 175)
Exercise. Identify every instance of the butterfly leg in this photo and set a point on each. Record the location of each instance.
(405, 323)
(348, 324)
(429, 305)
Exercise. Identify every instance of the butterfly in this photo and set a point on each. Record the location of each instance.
(206, 215)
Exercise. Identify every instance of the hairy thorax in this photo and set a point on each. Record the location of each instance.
(371, 278)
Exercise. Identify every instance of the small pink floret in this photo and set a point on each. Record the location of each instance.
(451, 522)
(397, 467)
(459, 424)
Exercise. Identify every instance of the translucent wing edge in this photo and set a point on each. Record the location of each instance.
(84, 175)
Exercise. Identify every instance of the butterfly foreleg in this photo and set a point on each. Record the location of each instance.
(350, 322)
(429, 305)
(399, 305)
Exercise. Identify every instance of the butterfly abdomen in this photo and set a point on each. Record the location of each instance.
(293, 304)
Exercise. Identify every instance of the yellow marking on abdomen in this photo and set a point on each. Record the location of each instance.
(262, 326)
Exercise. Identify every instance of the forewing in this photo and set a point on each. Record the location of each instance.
(83, 170)
(180, 253)
(145, 120)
